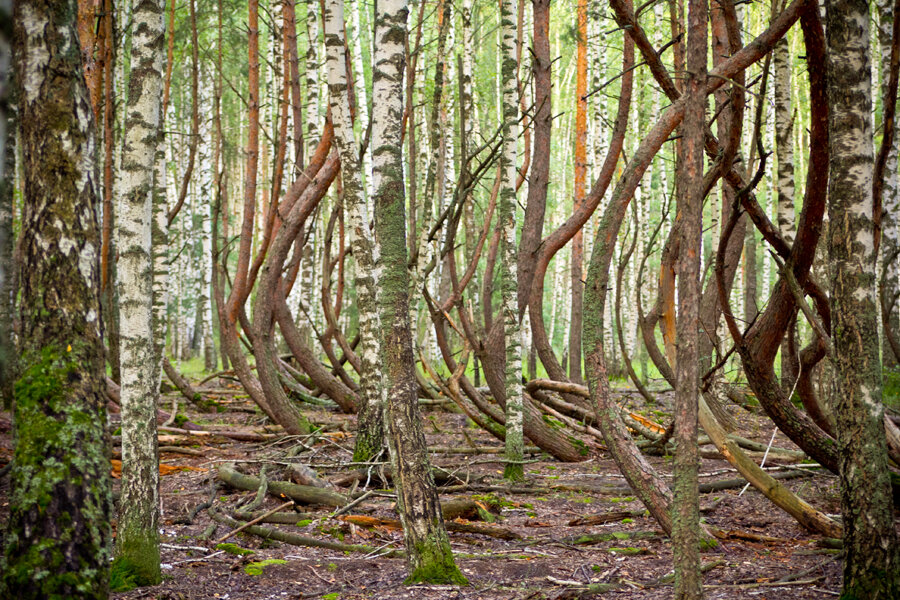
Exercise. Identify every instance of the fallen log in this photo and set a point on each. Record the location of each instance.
(301, 493)
(297, 540)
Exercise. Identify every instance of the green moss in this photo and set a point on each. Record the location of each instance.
(139, 551)
(331, 596)
(256, 568)
(514, 472)
(708, 544)
(304, 522)
(234, 549)
(123, 575)
(582, 447)
(59, 457)
(436, 566)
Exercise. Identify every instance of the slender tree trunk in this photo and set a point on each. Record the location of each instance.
(428, 548)
(312, 81)
(577, 256)
(506, 215)
(890, 194)
(138, 538)
(871, 567)
(205, 208)
(58, 535)
(686, 503)
(7, 178)
(369, 439)
(784, 164)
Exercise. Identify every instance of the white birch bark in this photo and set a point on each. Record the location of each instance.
(872, 564)
(508, 249)
(138, 539)
(428, 548)
(784, 139)
(361, 243)
(206, 207)
(312, 80)
(890, 194)
(357, 9)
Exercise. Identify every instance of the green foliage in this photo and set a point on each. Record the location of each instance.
(256, 568)
(331, 596)
(234, 549)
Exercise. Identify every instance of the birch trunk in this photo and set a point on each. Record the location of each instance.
(506, 215)
(58, 534)
(137, 538)
(205, 207)
(871, 567)
(890, 194)
(428, 548)
(312, 83)
(369, 440)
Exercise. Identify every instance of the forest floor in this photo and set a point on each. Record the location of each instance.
(541, 551)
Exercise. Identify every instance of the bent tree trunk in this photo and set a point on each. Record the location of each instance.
(57, 541)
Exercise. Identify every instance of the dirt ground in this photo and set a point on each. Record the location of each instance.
(768, 554)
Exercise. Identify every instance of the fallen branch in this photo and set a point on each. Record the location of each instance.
(597, 538)
(296, 539)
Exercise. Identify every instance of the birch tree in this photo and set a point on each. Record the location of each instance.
(57, 539)
(890, 199)
(138, 538)
(369, 438)
(871, 567)
(428, 548)
(507, 217)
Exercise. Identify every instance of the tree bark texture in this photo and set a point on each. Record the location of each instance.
(58, 536)
(137, 537)
(871, 568)
(369, 440)
(506, 213)
(686, 501)
(428, 548)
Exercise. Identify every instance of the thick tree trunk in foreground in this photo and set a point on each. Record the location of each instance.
(871, 568)
(137, 538)
(57, 543)
(686, 501)
(428, 548)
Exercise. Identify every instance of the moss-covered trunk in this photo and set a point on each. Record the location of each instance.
(57, 541)
(429, 555)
